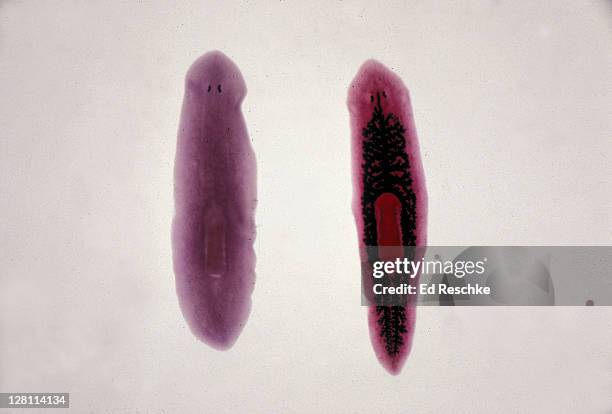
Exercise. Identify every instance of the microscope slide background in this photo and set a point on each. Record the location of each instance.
(512, 105)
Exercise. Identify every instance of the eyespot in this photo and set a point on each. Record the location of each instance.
(209, 88)
(219, 88)
(385, 95)
(371, 98)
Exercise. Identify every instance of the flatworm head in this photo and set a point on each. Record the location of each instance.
(215, 82)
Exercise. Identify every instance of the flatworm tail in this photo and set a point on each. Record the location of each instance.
(215, 197)
(389, 197)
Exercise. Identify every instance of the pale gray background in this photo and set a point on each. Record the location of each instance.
(513, 107)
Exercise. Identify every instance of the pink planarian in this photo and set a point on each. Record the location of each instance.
(389, 197)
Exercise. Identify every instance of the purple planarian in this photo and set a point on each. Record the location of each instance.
(215, 197)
